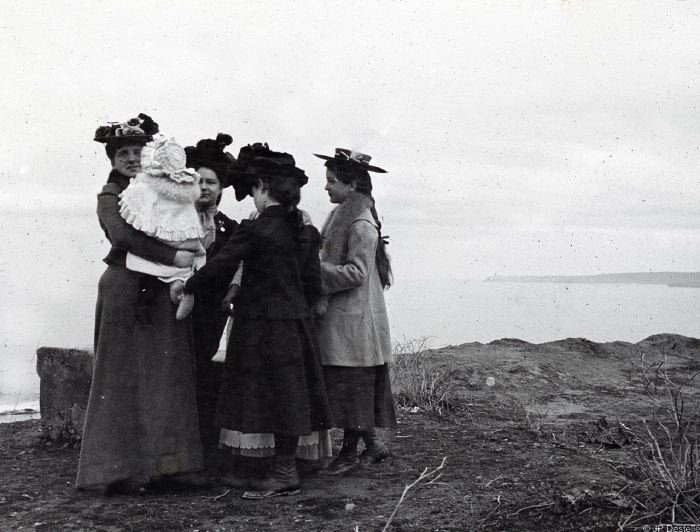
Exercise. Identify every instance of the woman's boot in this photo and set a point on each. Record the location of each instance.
(239, 473)
(283, 479)
(375, 450)
(347, 459)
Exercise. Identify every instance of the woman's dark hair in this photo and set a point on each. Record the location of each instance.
(218, 179)
(112, 147)
(349, 173)
(286, 190)
(111, 150)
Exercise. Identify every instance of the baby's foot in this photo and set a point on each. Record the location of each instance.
(185, 306)
(175, 291)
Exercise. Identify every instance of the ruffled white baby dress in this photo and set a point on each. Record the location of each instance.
(159, 201)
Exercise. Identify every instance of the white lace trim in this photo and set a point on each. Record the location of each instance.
(234, 438)
(310, 447)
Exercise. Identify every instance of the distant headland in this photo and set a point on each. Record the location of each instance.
(676, 279)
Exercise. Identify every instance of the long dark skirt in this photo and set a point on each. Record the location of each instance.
(208, 323)
(272, 381)
(360, 397)
(142, 414)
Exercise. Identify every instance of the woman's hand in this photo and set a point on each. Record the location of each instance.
(321, 307)
(305, 216)
(183, 259)
(227, 302)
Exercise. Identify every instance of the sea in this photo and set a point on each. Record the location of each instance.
(440, 312)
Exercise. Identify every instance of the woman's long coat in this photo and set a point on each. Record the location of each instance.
(354, 331)
(141, 419)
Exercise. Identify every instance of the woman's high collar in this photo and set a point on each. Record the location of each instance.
(209, 210)
(119, 179)
(276, 210)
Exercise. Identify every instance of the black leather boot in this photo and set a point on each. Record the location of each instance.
(283, 479)
(375, 450)
(347, 459)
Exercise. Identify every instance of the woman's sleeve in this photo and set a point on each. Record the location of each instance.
(311, 277)
(218, 272)
(123, 235)
(362, 246)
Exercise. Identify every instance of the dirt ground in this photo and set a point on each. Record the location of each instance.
(530, 452)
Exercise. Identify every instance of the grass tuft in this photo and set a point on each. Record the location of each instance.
(418, 383)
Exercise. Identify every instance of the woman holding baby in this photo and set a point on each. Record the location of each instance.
(141, 421)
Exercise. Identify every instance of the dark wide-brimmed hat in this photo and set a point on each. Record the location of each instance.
(257, 161)
(139, 130)
(210, 154)
(345, 156)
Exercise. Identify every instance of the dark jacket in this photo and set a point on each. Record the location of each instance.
(281, 277)
(123, 236)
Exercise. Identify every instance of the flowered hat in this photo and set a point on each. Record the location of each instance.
(258, 160)
(345, 156)
(139, 130)
(164, 157)
(210, 153)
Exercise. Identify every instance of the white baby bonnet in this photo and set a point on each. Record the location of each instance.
(160, 200)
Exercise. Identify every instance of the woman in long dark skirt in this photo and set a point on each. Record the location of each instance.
(208, 316)
(141, 421)
(272, 381)
(353, 329)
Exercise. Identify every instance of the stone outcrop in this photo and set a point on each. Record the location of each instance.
(66, 375)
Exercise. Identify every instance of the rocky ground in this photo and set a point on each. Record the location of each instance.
(533, 437)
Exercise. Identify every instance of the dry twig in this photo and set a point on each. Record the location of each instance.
(534, 506)
(427, 473)
(219, 496)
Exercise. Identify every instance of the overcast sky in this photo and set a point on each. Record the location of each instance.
(520, 137)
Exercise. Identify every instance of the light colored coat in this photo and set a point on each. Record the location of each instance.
(354, 331)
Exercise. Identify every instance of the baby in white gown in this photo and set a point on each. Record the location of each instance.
(159, 201)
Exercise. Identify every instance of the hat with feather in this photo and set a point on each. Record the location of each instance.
(350, 157)
(139, 130)
(209, 153)
(258, 161)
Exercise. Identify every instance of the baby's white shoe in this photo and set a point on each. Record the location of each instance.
(185, 306)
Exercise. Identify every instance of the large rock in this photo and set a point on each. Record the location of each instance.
(66, 375)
